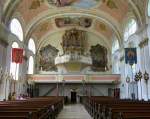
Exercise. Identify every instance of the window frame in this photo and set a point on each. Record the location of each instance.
(31, 66)
(31, 45)
(148, 8)
(115, 46)
(16, 28)
(130, 29)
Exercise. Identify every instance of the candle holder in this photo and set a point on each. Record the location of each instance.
(128, 81)
(140, 78)
(146, 76)
(140, 75)
(136, 78)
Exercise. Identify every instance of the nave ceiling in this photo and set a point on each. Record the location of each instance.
(104, 17)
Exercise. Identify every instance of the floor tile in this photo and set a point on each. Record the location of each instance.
(74, 111)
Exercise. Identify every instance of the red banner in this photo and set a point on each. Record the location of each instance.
(17, 55)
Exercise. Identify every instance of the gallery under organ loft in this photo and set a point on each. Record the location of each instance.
(74, 59)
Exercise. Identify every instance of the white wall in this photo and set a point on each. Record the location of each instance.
(143, 63)
(5, 59)
(91, 89)
(1, 8)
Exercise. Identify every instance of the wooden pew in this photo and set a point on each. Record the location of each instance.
(110, 108)
(35, 108)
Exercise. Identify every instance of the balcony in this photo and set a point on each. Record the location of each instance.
(73, 58)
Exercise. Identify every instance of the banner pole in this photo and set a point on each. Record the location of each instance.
(15, 78)
(147, 88)
(133, 97)
(5, 89)
(57, 85)
(128, 91)
(141, 88)
(131, 58)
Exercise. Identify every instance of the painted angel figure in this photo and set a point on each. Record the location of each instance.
(58, 2)
(62, 3)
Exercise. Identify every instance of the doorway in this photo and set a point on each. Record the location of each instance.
(73, 96)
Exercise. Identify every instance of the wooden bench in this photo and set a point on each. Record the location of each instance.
(110, 108)
(34, 108)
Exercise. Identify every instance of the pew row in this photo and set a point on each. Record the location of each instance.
(111, 108)
(33, 108)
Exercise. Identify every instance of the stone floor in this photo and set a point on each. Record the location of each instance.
(74, 111)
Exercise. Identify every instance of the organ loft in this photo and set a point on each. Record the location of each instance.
(74, 41)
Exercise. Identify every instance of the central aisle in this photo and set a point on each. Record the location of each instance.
(74, 111)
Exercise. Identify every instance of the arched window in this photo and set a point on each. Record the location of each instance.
(16, 28)
(130, 29)
(14, 68)
(31, 45)
(148, 8)
(30, 65)
(115, 46)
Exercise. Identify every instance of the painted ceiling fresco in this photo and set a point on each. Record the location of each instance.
(42, 29)
(117, 9)
(74, 3)
(63, 22)
(29, 9)
(44, 16)
(73, 21)
(103, 29)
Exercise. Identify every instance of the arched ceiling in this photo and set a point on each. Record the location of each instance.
(39, 16)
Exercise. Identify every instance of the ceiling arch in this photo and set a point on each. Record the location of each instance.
(99, 13)
(8, 9)
(42, 18)
(136, 10)
(11, 5)
(101, 36)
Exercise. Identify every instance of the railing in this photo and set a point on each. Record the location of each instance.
(73, 58)
(75, 78)
(50, 90)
